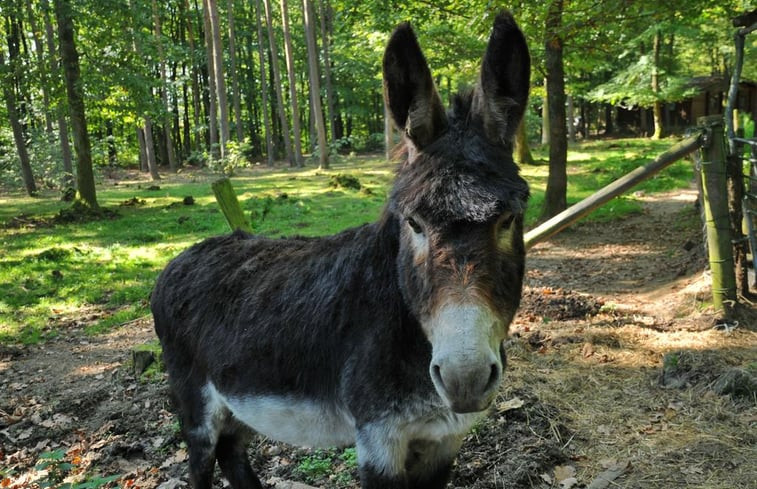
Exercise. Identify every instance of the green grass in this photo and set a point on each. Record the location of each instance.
(99, 274)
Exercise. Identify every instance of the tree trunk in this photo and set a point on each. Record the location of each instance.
(264, 89)
(142, 150)
(111, 143)
(212, 89)
(18, 131)
(571, 120)
(152, 164)
(220, 82)
(196, 110)
(315, 86)
(277, 84)
(657, 107)
(296, 135)
(43, 74)
(236, 99)
(325, 18)
(545, 116)
(555, 199)
(70, 59)
(152, 161)
(172, 163)
(522, 150)
(69, 181)
(388, 134)
(609, 127)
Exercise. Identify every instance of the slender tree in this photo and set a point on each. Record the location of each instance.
(325, 18)
(196, 113)
(220, 82)
(296, 135)
(545, 116)
(657, 104)
(146, 129)
(235, 96)
(212, 88)
(168, 139)
(70, 60)
(69, 181)
(522, 150)
(277, 84)
(315, 85)
(15, 123)
(264, 87)
(41, 68)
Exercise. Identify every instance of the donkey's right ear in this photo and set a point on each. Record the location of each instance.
(409, 90)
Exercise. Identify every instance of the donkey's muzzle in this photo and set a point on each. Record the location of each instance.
(466, 364)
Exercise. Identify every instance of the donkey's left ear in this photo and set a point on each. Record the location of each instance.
(501, 96)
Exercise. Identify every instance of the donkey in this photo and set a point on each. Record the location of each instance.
(387, 336)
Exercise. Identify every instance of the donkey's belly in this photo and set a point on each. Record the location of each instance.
(296, 421)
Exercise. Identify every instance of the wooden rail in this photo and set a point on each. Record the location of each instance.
(572, 214)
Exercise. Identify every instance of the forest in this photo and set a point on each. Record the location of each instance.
(91, 85)
(120, 116)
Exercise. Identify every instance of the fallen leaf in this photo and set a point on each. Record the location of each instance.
(605, 478)
(568, 483)
(587, 350)
(511, 404)
(563, 472)
(604, 430)
(172, 484)
(178, 457)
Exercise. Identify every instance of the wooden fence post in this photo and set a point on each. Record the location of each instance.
(717, 221)
(229, 204)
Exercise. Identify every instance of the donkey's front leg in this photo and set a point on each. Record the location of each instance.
(382, 451)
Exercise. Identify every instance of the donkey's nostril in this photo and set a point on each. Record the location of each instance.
(493, 378)
(436, 373)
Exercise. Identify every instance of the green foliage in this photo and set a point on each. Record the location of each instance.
(315, 466)
(322, 463)
(632, 86)
(238, 155)
(57, 468)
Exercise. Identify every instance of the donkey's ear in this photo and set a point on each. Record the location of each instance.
(502, 93)
(409, 90)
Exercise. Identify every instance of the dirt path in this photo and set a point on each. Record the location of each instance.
(604, 303)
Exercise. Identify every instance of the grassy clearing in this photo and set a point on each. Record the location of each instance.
(98, 274)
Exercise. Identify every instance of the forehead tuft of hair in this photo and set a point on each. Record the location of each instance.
(462, 176)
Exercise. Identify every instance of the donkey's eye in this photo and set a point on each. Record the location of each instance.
(414, 225)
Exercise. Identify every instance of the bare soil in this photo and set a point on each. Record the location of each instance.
(614, 364)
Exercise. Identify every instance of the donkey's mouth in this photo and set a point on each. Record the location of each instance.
(467, 407)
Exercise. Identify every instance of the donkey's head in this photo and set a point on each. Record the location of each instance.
(460, 203)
